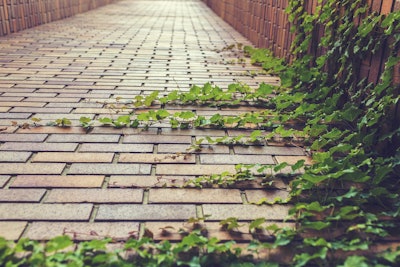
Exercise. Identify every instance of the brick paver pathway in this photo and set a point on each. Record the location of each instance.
(117, 182)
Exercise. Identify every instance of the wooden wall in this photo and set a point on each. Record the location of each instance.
(16, 15)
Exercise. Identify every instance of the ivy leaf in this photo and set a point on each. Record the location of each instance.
(58, 243)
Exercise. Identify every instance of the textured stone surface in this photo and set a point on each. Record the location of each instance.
(245, 212)
(95, 196)
(12, 230)
(49, 181)
(145, 212)
(83, 231)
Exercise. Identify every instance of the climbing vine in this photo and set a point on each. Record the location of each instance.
(350, 197)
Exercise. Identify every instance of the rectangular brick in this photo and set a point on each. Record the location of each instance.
(176, 169)
(269, 150)
(177, 195)
(124, 131)
(4, 179)
(246, 212)
(179, 148)
(42, 110)
(88, 138)
(72, 157)
(146, 181)
(23, 104)
(12, 156)
(236, 159)
(53, 130)
(53, 212)
(95, 196)
(255, 196)
(81, 231)
(192, 132)
(14, 115)
(157, 158)
(31, 168)
(145, 212)
(12, 230)
(291, 160)
(130, 148)
(4, 109)
(56, 181)
(157, 139)
(14, 146)
(21, 195)
(108, 169)
(22, 137)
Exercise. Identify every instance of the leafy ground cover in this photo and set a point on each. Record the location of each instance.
(346, 205)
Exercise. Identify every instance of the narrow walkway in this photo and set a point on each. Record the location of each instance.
(117, 182)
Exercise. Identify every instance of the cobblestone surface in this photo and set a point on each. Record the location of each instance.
(105, 181)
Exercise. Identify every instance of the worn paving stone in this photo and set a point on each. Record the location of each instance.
(58, 181)
(53, 130)
(95, 196)
(91, 138)
(157, 158)
(176, 169)
(22, 137)
(12, 156)
(179, 148)
(31, 168)
(147, 181)
(157, 139)
(269, 150)
(83, 168)
(12, 230)
(257, 196)
(21, 195)
(129, 148)
(70, 157)
(236, 159)
(245, 212)
(291, 160)
(194, 196)
(51, 212)
(81, 231)
(22, 146)
(145, 212)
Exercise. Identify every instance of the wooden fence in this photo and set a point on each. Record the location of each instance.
(16, 15)
(265, 23)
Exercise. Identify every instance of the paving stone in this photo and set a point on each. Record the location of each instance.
(41, 110)
(4, 179)
(168, 230)
(125, 131)
(147, 181)
(4, 109)
(192, 132)
(22, 104)
(53, 130)
(12, 156)
(24, 146)
(96, 147)
(236, 159)
(22, 137)
(69, 157)
(95, 196)
(152, 212)
(176, 169)
(51, 212)
(195, 196)
(268, 195)
(56, 181)
(269, 150)
(81, 231)
(157, 139)
(31, 168)
(12, 230)
(157, 158)
(206, 149)
(15, 115)
(21, 195)
(291, 160)
(245, 212)
(108, 169)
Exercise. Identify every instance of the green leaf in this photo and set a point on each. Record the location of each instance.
(58, 243)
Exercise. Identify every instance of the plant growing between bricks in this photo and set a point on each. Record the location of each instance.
(350, 192)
